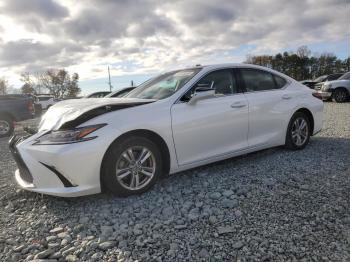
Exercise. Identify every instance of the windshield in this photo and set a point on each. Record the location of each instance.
(320, 79)
(164, 85)
(345, 76)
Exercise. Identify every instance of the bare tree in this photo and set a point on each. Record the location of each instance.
(27, 89)
(59, 83)
(32, 83)
(73, 88)
(303, 51)
(29, 84)
(3, 86)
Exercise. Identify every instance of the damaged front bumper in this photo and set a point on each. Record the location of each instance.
(23, 176)
(65, 170)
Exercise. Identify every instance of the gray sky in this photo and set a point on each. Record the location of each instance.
(142, 37)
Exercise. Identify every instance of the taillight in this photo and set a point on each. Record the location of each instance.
(317, 95)
(31, 107)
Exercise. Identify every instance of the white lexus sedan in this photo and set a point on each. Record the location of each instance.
(176, 121)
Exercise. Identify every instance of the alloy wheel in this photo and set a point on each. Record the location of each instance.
(300, 131)
(135, 167)
(340, 96)
(4, 127)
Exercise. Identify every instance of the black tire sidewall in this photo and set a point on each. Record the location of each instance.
(289, 140)
(335, 95)
(109, 165)
(10, 122)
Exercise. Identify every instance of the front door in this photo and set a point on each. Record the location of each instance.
(213, 126)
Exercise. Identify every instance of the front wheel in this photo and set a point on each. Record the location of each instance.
(340, 95)
(298, 133)
(131, 166)
(6, 126)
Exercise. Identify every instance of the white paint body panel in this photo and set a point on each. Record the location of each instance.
(195, 135)
(211, 128)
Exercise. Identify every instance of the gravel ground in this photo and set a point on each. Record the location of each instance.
(270, 205)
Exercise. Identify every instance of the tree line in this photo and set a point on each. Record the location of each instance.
(56, 82)
(301, 65)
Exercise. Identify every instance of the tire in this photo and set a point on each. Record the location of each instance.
(292, 140)
(116, 164)
(38, 110)
(6, 126)
(340, 95)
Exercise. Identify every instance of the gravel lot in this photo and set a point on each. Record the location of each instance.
(271, 205)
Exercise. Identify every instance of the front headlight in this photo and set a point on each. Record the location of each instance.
(75, 135)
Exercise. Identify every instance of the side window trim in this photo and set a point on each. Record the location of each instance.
(242, 83)
(275, 81)
(237, 76)
(240, 80)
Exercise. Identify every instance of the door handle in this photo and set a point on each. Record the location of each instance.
(286, 97)
(238, 105)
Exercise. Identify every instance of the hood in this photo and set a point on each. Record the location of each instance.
(306, 81)
(337, 81)
(71, 113)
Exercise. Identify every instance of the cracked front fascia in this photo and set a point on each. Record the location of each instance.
(94, 113)
(70, 114)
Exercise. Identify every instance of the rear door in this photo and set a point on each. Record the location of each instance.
(270, 103)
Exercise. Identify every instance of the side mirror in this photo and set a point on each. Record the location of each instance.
(201, 93)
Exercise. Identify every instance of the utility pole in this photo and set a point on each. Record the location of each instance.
(109, 80)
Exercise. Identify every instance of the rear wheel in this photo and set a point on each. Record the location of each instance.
(298, 133)
(340, 95)
(6, 126)
(131, 166)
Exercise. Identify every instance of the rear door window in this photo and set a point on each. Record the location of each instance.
(280, 82)
(259, 80)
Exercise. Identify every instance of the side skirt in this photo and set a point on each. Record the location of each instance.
(222, 157)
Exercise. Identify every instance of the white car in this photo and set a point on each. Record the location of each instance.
(176, 121)
(46, 101)
(338, 89)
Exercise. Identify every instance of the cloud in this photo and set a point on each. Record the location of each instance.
(151, 35)
(24, 51)
(34, 14)
(47, 9)
(31, 56)
(103, 20)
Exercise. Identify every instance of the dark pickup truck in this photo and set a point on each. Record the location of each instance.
(14, 108)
